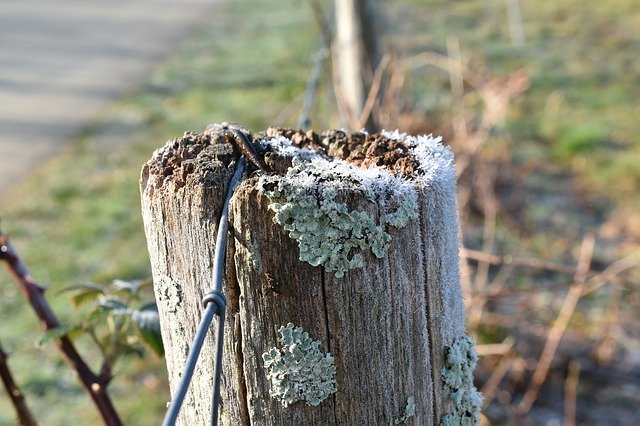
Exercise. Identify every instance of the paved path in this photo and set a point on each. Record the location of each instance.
(62, 60)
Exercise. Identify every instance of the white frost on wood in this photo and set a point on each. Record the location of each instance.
(435, 161)
(283, 146)
(436, 182)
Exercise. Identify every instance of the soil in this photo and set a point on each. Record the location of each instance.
(200, 156)
(361, 149)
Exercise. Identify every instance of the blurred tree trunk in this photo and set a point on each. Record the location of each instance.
(357, 53)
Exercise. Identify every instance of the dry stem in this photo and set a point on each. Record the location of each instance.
(559, 326)
(570, 391)
(491, 385)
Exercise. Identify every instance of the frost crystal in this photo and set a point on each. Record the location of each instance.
(305, 202)
(457, 375)
(283, 146)
(299, 371)
(433, 158)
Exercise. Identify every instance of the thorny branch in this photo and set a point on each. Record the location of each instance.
(93, 384)
(25, 417)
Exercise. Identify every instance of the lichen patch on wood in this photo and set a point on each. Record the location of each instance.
(409, 411)
(384, 168)
(169, 291)
(299, 370)
(457, 376)
(306, 203)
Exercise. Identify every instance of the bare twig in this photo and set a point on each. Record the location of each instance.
(391, 100)
(372, 97)
(94, 385)
(323, 22)
(490, 211)
(527, 262)
(605, 346)
(570, 391)
(489, 389)
(304, 120)
(25, 417)
(290, 110)
(456, 79)
(559, 326)
(615, 269)
(495, 348)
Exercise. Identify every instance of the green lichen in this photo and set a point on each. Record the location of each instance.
(328, 232)
(409, 411)
(299, 371)
(253, 253)
(457, 375)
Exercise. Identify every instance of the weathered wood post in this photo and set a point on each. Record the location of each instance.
(342, 279)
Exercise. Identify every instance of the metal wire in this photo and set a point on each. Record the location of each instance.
(215, 304)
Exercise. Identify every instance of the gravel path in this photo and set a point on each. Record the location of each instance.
(61, 61)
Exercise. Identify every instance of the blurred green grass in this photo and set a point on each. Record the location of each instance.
(582, 58)
(77, 218)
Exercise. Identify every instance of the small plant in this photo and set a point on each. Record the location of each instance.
(116, 317)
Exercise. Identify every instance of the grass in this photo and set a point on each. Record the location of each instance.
(581, 56)
(77, 218)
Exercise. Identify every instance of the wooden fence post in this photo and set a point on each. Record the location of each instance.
(344, 303)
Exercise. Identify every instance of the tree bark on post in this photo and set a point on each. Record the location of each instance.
(344, 303)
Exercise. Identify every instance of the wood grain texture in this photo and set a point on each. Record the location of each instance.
(183, 188)
(386, 324)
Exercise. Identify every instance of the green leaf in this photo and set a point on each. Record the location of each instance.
(114, 306)
(85, 296)
(84, 292)
(96, 316)
(132, 287)
(70, 330)
(148, 322)
(126, 350)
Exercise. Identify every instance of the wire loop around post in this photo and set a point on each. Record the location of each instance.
(217, 298)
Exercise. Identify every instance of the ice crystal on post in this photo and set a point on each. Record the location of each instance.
(299, 371)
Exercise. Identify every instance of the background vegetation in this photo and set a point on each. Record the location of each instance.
(562, 162)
